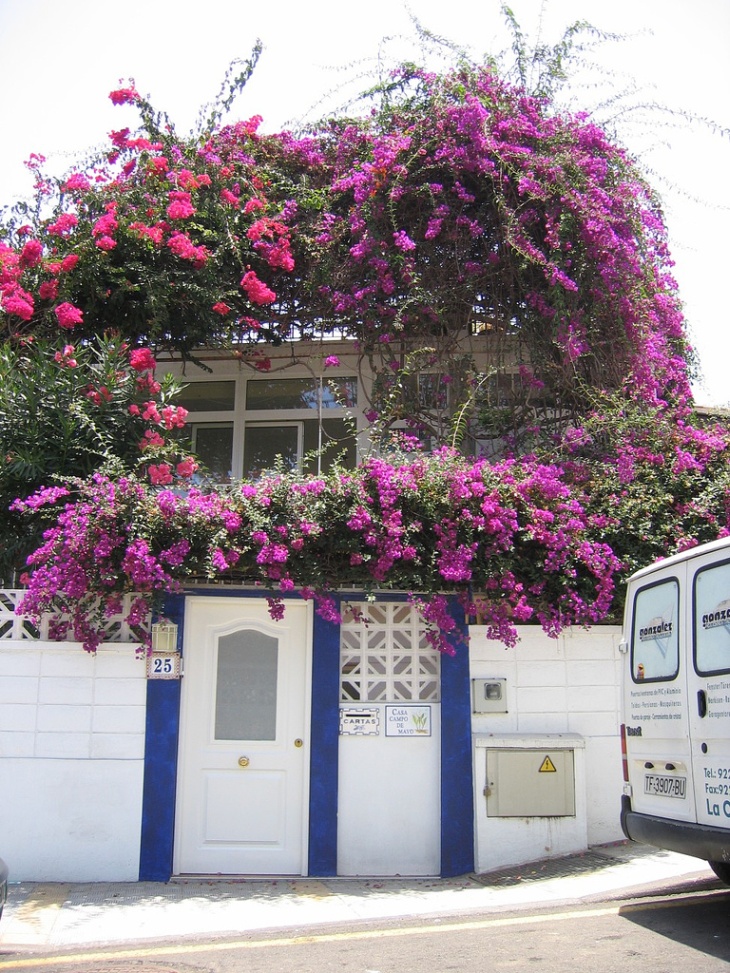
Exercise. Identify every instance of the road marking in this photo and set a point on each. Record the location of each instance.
(187, 950)
(68, 959)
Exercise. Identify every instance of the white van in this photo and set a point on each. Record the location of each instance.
(676, 705)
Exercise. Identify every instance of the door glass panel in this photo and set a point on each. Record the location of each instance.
(712, 619)
(263, 444)
(245, 705)
(655, 634)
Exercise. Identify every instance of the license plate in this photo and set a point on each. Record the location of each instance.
(665, 786)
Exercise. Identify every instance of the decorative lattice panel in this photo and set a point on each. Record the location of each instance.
(385, 656)
(13, 626)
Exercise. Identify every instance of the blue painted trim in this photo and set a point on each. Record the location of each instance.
(457, 787)
(324, 748)
(160, 765)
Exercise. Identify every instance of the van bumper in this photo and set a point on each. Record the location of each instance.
(699, 840)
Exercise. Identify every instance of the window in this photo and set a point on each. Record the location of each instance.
(655, 632)
(241, 428)
(712, 619)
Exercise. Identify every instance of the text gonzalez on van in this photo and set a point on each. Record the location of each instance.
(718, 617)
(660, 629)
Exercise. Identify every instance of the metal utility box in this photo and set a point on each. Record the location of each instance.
(489, 695)
(524, 783)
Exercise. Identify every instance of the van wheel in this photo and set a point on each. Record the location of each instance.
(722, 870)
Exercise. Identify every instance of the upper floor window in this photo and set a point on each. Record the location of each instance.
(241, 428)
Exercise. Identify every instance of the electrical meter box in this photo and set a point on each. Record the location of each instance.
(489, 695)
(523, 783)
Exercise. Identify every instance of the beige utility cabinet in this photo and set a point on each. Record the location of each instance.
(530, 782)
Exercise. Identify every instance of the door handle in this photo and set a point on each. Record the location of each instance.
(702, 702)
(243, 761)
(298, 742)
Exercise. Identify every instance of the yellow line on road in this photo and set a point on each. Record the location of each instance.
(32, 962)
(147, 952)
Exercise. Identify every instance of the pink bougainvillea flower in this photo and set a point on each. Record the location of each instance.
(220, 307)
(68, 315)
(142, 360)
(48, 290)
(256, 291)
(69, 262)
(160, 474)
(63, 225)
(19, 303)
(158, 166)
(76, 181)
(180, 206)
(65, 358)
(31, 254)
(173, 416)
(124, 96)
(331, 361)
(186, 468)
(182, 246)
(106, 243)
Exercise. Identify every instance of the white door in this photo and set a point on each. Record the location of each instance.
(244, 754)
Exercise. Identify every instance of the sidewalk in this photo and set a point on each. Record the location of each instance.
(41, 914)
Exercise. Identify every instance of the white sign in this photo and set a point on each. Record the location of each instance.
(408, 721)
(164, 665)
(359, 722)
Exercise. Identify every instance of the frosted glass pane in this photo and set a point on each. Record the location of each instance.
(245, 705)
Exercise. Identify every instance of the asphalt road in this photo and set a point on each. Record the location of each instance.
(677, 930)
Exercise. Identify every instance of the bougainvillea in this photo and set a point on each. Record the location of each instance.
(516, 534)
(501, 266)
(461, 214)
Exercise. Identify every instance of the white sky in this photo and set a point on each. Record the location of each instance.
(60, 58)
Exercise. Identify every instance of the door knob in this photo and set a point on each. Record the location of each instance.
(298, 742)
(243, 761)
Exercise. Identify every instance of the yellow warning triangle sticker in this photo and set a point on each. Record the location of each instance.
(547, 766)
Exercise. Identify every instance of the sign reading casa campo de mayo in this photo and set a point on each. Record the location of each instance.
(359, 722)
(407, 721)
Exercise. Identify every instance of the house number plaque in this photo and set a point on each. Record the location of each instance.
(164, 665)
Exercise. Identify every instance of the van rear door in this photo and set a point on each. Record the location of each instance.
(659, 760)
(709, 687)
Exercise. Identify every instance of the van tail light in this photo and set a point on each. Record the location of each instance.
(624, 754)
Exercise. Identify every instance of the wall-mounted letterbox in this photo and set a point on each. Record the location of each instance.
(489, 695)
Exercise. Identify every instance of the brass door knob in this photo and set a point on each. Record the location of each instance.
(298, 742)
(243, 761)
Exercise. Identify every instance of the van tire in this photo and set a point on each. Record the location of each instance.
(722, 870)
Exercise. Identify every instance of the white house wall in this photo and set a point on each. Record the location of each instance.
(568, 685)
(72, 734)
(72, 737)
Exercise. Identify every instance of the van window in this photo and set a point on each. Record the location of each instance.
(655, 632)
(712, 619)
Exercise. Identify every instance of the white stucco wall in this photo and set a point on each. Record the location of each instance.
(568, 685)
(72, 749)
(71, 761)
